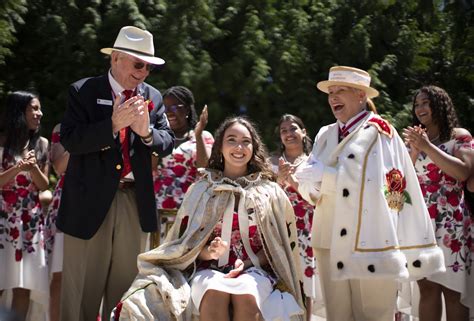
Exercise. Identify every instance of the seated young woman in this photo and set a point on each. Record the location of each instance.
(232, 252)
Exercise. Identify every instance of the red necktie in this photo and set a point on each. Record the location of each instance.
(344, 130)
(124, 137)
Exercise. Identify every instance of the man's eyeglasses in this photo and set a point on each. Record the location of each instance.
(174, 108)
(139, 65)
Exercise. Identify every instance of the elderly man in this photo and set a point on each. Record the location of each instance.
(112, 126)
(371, 226)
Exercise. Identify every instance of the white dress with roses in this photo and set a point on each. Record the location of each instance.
(454, 229)
(304, 220)
(175, 173)
(22, 248)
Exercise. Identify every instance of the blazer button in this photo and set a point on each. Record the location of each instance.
(118, 167)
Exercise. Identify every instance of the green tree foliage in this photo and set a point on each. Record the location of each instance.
(11, 12)
(260, 58)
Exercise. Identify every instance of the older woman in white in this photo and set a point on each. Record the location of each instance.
(371, 227)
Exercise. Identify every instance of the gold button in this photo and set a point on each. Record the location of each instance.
(118, 167)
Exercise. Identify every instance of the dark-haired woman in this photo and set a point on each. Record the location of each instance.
(442, 152)
(295, 146)
(174, 173)
(232, 245)
(23, 173)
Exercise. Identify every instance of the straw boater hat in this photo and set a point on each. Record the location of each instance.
(350, 77)
(135, 42)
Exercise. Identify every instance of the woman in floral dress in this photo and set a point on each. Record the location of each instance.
(23, 173)
(441, 153)
(295, 146)
(59, 158)
(173, 174)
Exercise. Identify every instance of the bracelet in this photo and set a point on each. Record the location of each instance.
(149, 136)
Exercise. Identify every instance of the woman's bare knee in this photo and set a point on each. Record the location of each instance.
(214, 305)
(245, 308)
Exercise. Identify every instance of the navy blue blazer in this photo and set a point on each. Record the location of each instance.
(94, 167)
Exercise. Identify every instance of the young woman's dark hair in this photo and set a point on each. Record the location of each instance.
(259, 160)
(186, 97)
(307, 142)
(14, 129)
(442, 109)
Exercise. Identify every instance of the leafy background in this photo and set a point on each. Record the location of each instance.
(259, 58)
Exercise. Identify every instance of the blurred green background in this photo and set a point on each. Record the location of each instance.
(259, 58)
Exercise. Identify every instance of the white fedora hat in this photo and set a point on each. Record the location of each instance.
(135, 42)
(350, 77)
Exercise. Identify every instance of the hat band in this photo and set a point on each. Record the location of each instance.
(135, 51)
(349, 77)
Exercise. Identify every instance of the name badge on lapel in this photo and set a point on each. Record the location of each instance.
(104, 102)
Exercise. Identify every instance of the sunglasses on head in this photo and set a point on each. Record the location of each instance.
(139, 65)
(174, 108)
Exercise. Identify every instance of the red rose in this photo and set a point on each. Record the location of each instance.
(168, 203)
(449, 179)
(179, 170)
(192, 172)
(185, 186)
(309, 251)
(300, 224)
(452, 198)
(55, 138)
(309, 272)
(167, 181)
(18, 255)
(157, 186)
(22, 192)
(179, 158)
(14, 233)
(395, 181)
(151, 106)
(457, 215)
(22, 180)
(299, 210)
(26, 217)
(10, 197)
(423, 189)
(433, 210)
(434, 175)
(455, 246)
(432, 188)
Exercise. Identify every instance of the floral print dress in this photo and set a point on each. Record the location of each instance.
(304, 220)
(236, 246)
(175, 173)
(22, 246)
(454, 229)
(51, 232)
